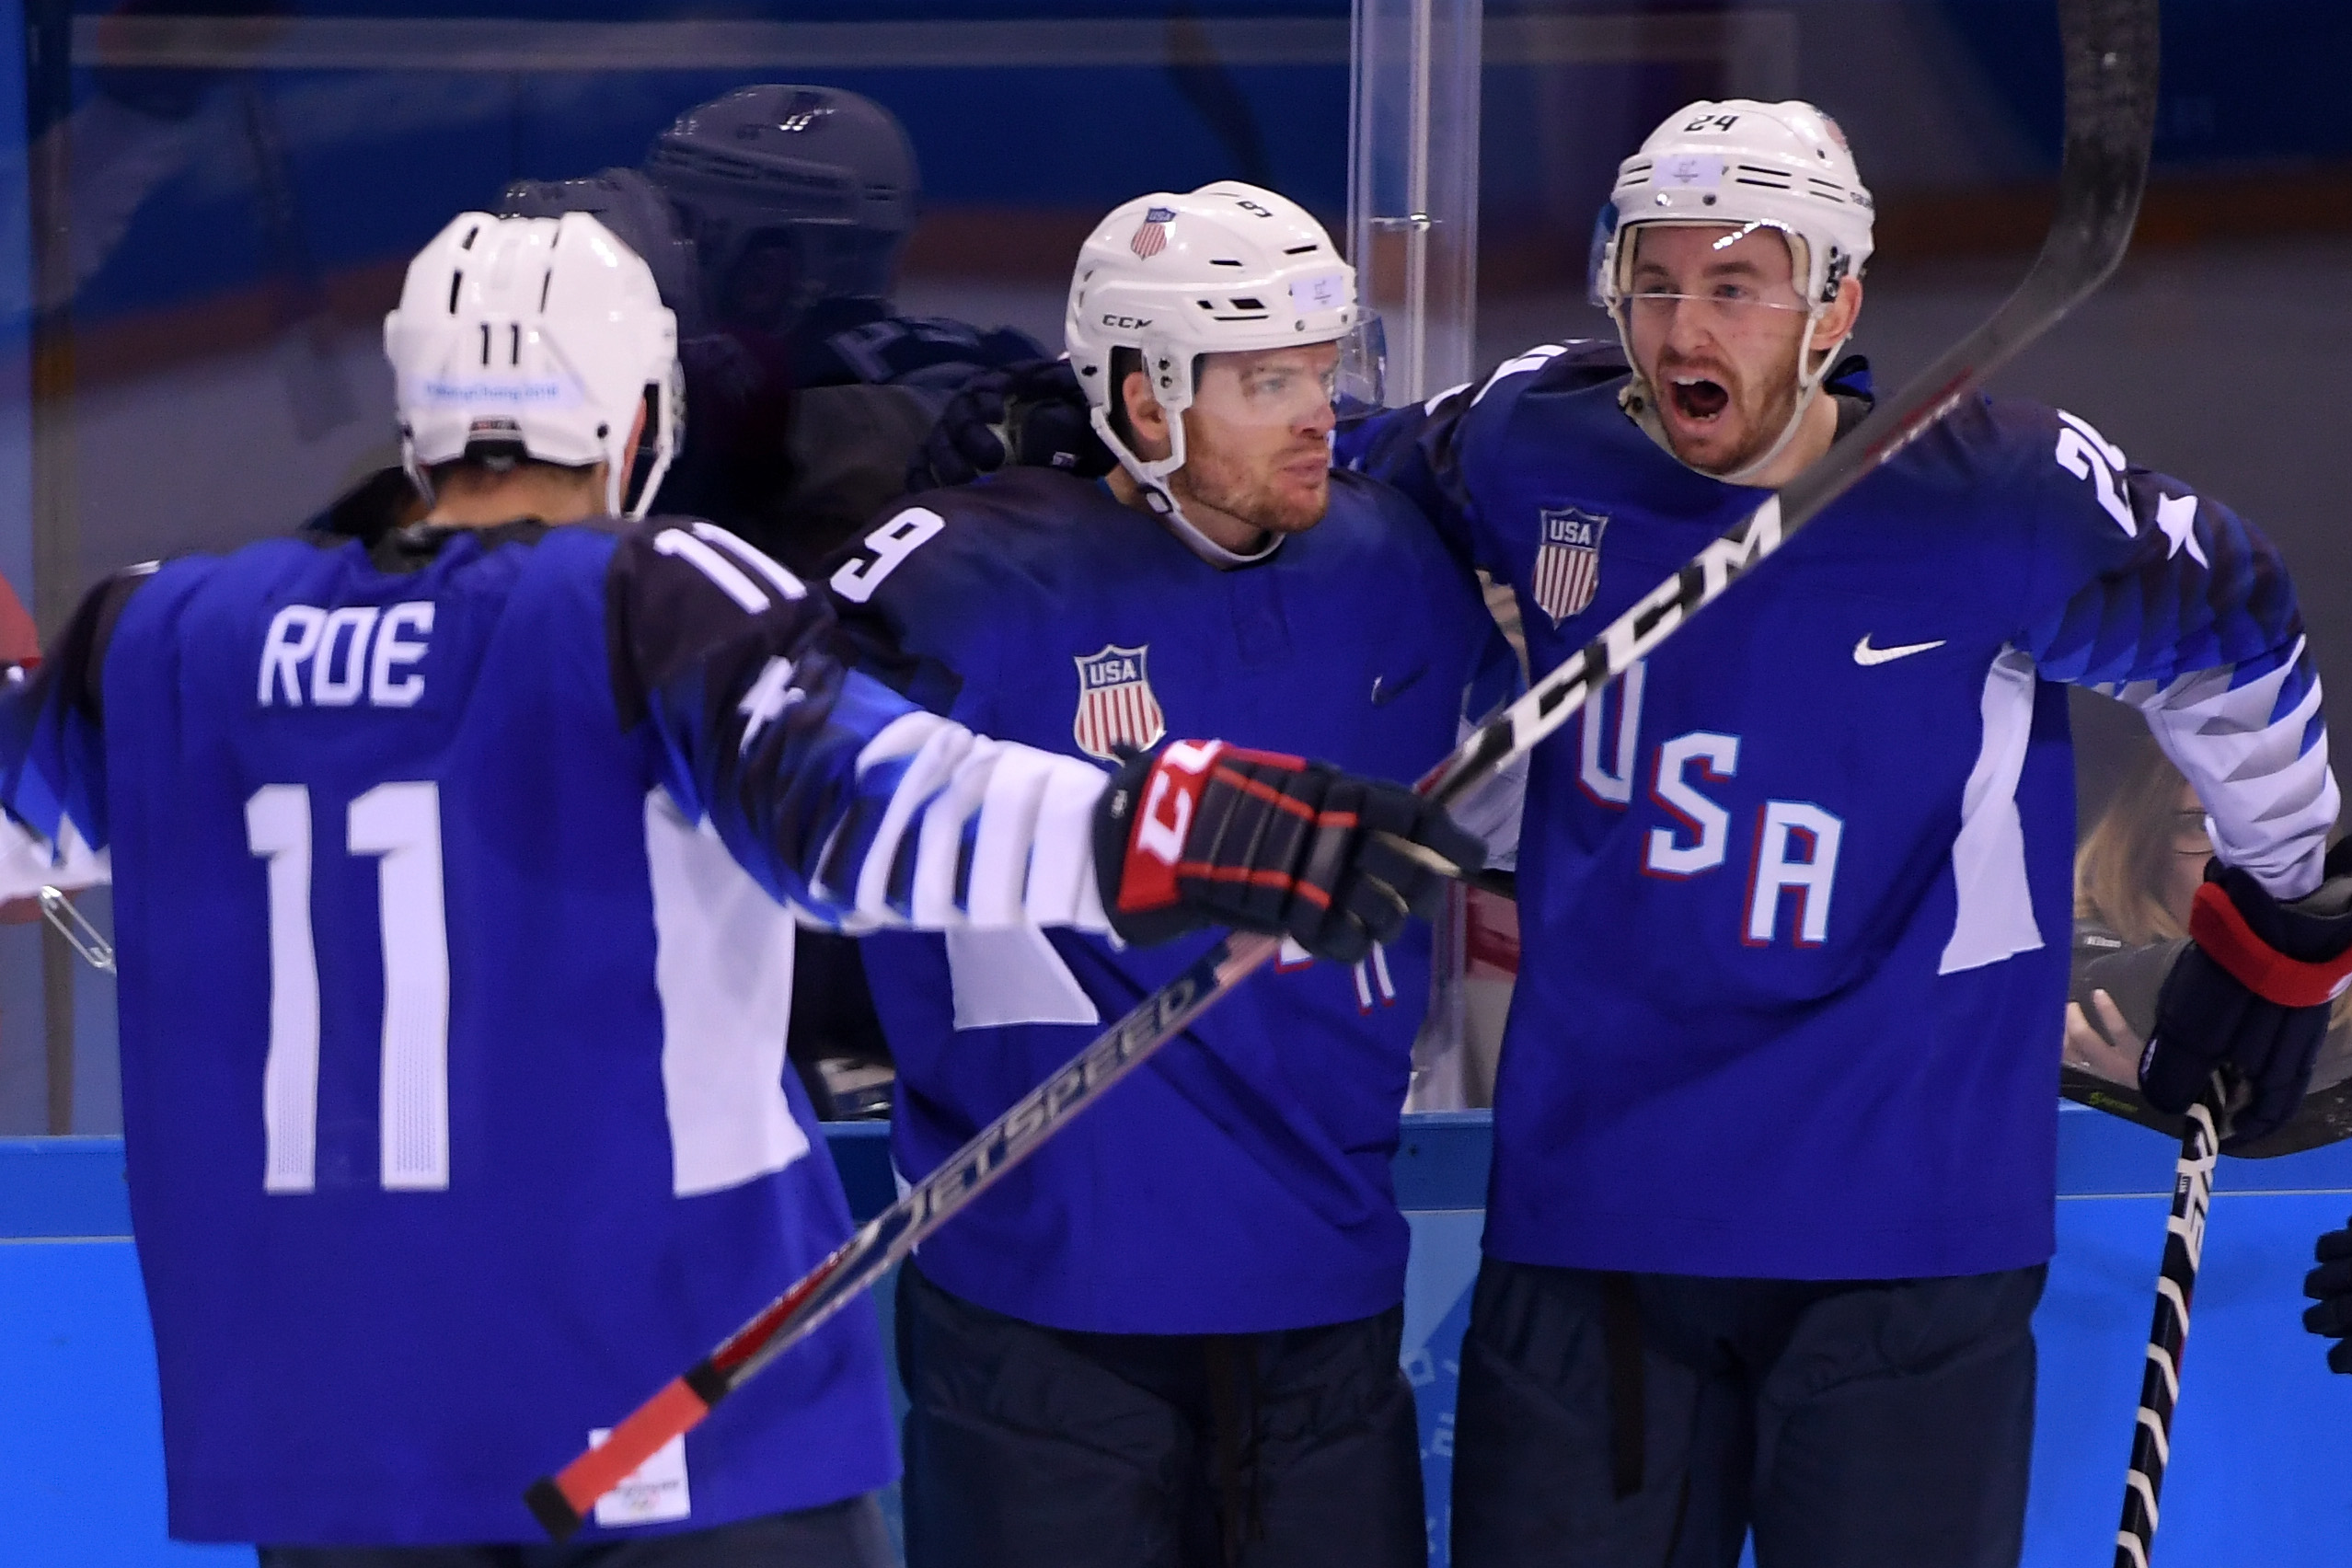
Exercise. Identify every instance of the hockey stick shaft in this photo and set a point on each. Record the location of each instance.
(2159, 1383)
(2111, 79)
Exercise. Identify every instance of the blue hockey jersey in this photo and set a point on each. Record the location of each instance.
(453, 975)
(1241, 1180)
(1795, 893)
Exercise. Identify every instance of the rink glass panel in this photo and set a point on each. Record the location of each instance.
(226, 203)
(217, 208)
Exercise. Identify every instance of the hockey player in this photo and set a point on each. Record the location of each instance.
(1773, 1186)
(1172, 1337)
(1774, 1162)
(452, 884)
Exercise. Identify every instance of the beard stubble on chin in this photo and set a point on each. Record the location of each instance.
(1762, 416)
(1258, 500)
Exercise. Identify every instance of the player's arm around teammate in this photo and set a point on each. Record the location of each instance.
(1172, 1337)
(454, 874)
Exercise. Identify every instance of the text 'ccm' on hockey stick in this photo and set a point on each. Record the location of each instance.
(2110, 48)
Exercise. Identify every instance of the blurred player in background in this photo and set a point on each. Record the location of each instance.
(1172, 1337)
(1774, 1146)
(774, 217)
(455, 874)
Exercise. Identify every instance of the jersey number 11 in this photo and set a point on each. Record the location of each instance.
(399, 825)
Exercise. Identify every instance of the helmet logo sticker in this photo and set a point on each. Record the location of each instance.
(1567, 563)
(1115, 705)
(1151, 235)
(1689, 171)
(1324, 291)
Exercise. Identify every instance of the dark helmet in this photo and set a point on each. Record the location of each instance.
(791, 195)
(637, 212)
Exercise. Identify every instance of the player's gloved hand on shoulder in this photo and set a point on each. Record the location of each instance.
(2251, 992)
(1199, 832)
(1029, 416)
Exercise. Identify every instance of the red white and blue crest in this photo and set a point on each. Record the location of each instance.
(1151, 235)
(1567, 562)
(1115, 705)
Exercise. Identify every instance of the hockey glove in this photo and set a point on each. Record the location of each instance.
(1199, 832)
(1028, 416)
(2251, 992)
(2330, 1286)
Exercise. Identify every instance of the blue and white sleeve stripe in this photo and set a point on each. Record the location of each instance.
(2196, 626)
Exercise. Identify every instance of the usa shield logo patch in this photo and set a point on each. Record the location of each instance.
(1115, 706)
(1567, 563)
(1151, 235)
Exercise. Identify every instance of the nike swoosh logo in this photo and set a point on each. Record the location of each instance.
(1866, 654)
(1384, 694)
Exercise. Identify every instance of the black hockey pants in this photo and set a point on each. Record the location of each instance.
(1028, 1447)
(848, 1534)
(1651, 1421)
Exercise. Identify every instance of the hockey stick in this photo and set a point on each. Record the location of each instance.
(2160, 1384)
(2110, 48)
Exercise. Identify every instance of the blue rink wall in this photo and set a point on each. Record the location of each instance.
(2262, 1455)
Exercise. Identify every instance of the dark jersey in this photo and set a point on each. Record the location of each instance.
(451, 899)
(1240, 1181)
(1795, 893)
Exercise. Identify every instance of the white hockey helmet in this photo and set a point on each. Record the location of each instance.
(1228, 268)
(537, 338)
(1779, 165)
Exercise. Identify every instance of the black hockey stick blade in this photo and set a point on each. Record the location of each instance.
(2324, 1116)
(2111, 77)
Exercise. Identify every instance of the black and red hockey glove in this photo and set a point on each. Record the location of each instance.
(2250, 993)
(1199, 832)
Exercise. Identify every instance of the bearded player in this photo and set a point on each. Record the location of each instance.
(1172, 1338)
(1775, 1141)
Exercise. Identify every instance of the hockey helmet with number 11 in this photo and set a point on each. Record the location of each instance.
(1750, 166)
(1226, 269)
(537, 339)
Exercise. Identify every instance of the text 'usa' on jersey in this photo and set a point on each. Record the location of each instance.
(453, 985)
(1240, 1181)
(1814, 853)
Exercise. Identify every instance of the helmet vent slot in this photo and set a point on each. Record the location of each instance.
(545, 284)
(1221, 261)
(1302, 250)
(457, 281)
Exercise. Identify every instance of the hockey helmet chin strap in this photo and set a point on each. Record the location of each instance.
(1152, 478)
(1640, 400)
